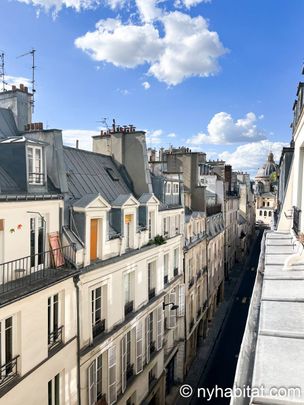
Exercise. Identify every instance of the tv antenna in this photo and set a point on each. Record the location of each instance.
(104, 122)
(32, 52)
(2, 70)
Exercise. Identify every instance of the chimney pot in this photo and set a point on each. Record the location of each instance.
(21, 86)
(26, 89)
(13, 87)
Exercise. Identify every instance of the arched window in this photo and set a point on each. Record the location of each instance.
(268, 204)
(261, 212)
(265, 213)
(269, 213)
(263, 203)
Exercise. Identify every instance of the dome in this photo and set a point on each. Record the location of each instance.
(268, 168)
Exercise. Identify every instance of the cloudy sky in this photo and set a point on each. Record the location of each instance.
(214, 75)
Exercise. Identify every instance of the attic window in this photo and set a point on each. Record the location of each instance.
(112, 174)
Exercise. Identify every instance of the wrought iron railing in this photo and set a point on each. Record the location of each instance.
(8, 371)
(99, 328)
(27, 270)
(296, 220)
(191, 282)
(55, 337)
(151, 293)
(129, 307)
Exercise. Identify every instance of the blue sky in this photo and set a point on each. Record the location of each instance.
(218, 76)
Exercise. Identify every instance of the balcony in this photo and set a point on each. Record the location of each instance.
(151, 293)
(175, 271)
(152, 347)
(191, 283)
(199, 275)
(35, 269)
(129, 306)
(99, 328)
(55, 337)
(130, 371)
(8, 371)
(296, 220)
(165, 280)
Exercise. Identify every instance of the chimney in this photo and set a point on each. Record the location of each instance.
(19, 102)
(77, 143)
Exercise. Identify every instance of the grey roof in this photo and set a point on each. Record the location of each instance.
(87, 174)
(121, 199)
(145, 197)
(85, 200)
(7, 183)
(8, 126)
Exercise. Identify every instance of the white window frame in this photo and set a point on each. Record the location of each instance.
(168, 188)
(53, 390)
(32, 176)
(175, 188)
(112, 378)
(181, 300)
(139, 348)
(51, 305)
(159, 327)
(3, 330)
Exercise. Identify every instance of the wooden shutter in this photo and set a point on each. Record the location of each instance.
(92, 389)
(147, 340)
(112, 375)
(172, 313)
(139, 347)
(159, 328)
(124, 363)
(181, 300)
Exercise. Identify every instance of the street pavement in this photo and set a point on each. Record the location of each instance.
(215, 364)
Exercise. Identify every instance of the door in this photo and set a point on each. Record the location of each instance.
(37, 242)
(93, 243)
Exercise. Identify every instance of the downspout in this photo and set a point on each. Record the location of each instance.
(76, 280)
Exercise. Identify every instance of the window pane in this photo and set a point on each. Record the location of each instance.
(8, 340)
(50, 399)
(57, 390)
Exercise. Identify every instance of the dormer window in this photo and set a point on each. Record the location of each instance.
(168, 188)
(175, 188)
(35, 165)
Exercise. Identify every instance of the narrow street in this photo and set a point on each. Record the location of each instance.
(222, 364)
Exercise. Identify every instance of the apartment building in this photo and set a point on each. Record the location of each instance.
(38, 299)
(271, 354)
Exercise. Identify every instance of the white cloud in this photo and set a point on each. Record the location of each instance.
(147, 10)
(222, 129)
(172, 135)
(16, 81)
(154, 137)
(121, 45)
(57, 5)
(146, 85)
(251, 156)
(190, 3)
(187, 48)
(83, 135)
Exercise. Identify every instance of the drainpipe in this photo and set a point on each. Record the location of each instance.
(76, 280)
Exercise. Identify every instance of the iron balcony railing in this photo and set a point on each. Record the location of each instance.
(130, 371)
(99, 328)
(165, 280)
(129, 306)
(151, 293)
(296, 220)
(8, 371)
(55, 337)
(199, 274)
(30, 269)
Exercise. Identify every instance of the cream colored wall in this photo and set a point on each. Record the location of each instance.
(17, 243)
(33, 390)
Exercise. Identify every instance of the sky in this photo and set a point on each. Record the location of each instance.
(218, 76)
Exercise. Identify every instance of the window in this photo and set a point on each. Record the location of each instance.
(175, 261)
(265, 213)
(269, 213)
(95, 380)
(127, 364)
(263, 203)
(166, 226)
(150, 344)
(261, 212)
(175, 188)
(268, 204)
(128, 284)
(151, 280)
(177, 224)
(8, 363)
(54, 391)
(112, 174)
(168, 187)
(35, 165)
(151, 225)
(54, 329)
(166, 268)
(98, 324)
(139, 347)
(37, 240)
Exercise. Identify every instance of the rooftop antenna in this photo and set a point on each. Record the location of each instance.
(2, 70)
(32, 52)
(104, 122)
